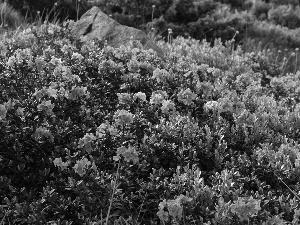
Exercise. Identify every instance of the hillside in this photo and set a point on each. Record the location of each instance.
(92, 134)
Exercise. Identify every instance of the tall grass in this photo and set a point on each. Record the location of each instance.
(9, 17)
(9, 29)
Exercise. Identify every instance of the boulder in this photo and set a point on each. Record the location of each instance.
(94, 24)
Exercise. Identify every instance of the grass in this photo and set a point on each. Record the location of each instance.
(10, 19)
(12, 22)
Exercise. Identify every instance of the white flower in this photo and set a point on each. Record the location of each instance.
(211, 105)
(161, 75)
(59, 163)
(76, 55)
(11, 61)
(167, 106)
(123, 117)
(42, 132)
(86, 142)
(157, 97)
(140, 95)
(46, 106)
(129, 154)
(81, 166)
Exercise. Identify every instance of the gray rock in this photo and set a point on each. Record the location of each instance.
(95, 24)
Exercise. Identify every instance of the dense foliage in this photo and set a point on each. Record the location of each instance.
(91, 134)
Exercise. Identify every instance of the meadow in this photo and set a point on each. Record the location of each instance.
(97, 135)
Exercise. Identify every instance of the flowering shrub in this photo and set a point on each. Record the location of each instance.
(98, 135)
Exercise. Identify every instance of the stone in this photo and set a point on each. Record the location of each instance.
(95, 24)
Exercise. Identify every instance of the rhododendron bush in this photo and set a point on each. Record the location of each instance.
(92, 134)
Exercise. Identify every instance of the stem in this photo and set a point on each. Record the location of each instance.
(77, 9)
(183, 216)
(287, 187)
(152, 17)
(277, 57)
(141, 208)
(112, 197)
(2, 221)
(2, 15)
(295, 64)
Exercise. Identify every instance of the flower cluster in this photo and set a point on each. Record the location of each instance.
(82, 165)
(42, 132)
(140, 95)
(211, 105)
(158, 97)
(123, 117)
(186, 96)
(77, 92)
(124, 98)
(59, 163)
(245, 207)
(168, 106)
(174, 208)
(86, 142)
(129, 154)
(105, 128)
(161, 75)
(46, 106)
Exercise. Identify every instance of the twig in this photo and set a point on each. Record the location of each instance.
(288, 187)
(2, 221)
